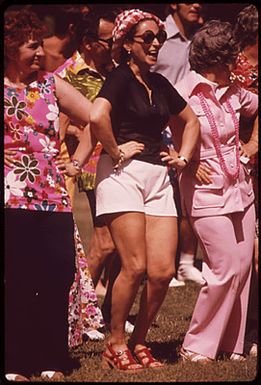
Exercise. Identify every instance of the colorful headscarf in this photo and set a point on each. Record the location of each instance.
(123, 24)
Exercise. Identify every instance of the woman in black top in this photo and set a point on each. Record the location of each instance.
(133, 191)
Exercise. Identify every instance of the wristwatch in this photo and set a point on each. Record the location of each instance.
(181, 157)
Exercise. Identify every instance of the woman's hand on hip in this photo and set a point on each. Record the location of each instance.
(173, 160)
(131, 148)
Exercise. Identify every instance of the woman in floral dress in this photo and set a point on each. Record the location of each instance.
(39, 229)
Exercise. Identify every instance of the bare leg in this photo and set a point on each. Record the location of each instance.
(128, 233)
(101, 248)
(161, 244)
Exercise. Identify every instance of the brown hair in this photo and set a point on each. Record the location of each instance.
(212, 45)
(246, 28)
(19, 26)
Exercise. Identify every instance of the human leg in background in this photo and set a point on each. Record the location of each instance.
(101, 247)
(227, 243)
(176, 196)
(186, 269)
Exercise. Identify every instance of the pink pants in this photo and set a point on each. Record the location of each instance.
(219, 318)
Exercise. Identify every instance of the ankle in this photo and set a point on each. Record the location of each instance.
(117, 344)
(186, 258)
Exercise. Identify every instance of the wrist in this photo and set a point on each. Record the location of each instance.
(120, 160)
(76, 164)
(183, 158)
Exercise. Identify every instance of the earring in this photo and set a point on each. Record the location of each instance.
(129, 52)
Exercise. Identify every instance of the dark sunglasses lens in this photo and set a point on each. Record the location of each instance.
(110, 42)
(148, 37)
(161, 36)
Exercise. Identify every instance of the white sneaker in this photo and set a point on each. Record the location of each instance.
(190, 273)
(129, 327)
(175, 283)
(95, 335)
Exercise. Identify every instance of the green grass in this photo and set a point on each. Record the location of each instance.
(165, 338)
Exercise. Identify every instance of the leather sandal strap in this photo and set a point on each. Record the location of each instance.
(145, 354)
(123, 359)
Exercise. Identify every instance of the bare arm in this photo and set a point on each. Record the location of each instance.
(72, 103)
(77, 107)
(189, 123)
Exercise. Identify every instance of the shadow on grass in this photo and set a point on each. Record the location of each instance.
(165, 351)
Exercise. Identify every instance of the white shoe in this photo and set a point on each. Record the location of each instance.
(175, 283)
(95, 335)
(237, 357)
(190, 273)
(188, 355)
(129, 327)
(16, 377)
(52, 375)
(253, 350)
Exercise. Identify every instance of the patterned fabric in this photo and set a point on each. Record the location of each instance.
(124, 22)
(32, 129)
(88, 82)
(62, 69)
(84, 313)
(245, 74)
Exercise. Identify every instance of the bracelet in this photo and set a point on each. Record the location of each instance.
(76, 165)
(181, 157)
(120, 161)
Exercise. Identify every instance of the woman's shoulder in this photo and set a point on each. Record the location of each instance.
(44, 76)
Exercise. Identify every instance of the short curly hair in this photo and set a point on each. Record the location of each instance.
(19, 27)
(246, 27)
(212, 45)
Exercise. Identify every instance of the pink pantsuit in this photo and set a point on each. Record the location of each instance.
(223, 218)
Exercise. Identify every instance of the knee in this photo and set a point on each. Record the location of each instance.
(107, 248)
(161, 276)
(134, 271)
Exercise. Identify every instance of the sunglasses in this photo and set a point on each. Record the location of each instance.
(149, 36)
(107, 41)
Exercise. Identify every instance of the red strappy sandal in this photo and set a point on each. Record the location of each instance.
(120, 360)
(146, 359)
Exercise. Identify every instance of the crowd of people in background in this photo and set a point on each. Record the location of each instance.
(151, 112)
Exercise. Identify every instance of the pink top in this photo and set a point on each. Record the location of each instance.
(31, 118)
(224, 195)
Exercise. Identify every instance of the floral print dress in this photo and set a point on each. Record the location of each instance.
(31, 120)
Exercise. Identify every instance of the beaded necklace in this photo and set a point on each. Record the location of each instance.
(216, 139)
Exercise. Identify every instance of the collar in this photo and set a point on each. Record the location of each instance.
(79, 66)
(172, 29)
(194, 79)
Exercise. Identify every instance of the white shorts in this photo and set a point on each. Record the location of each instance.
(137, 186)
